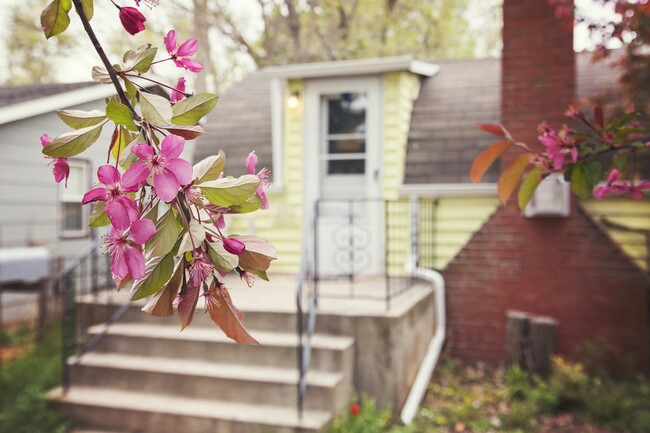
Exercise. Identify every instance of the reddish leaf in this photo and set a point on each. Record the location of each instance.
(228, 317)
(492, 128)
(511, 176)
(187, 306)
(598, 115)
(484, 161)
(258, 254)
(187, 132)
(161, 304)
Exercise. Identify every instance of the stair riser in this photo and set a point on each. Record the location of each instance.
(150, 422)
(196, 386)
(265, 355)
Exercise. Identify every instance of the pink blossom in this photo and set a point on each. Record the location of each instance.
(558, 146)
(264, 175)
(200, 268)
(177, 94)
(123, 247)
(616, 185)
(571, 112)
(120, 207)
(60, 166)
(132, 19)
(169, 171)
(181, 54)
(234, 246)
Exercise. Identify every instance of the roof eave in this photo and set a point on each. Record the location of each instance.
(353, 67)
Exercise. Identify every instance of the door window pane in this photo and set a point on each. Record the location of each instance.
(347, 146)
(346, 166)
(347, 113)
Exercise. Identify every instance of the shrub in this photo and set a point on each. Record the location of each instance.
(362, 416)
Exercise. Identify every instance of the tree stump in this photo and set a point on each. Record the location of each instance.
(543, 335)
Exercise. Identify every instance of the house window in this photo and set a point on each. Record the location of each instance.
(344, 151)
(73, 215)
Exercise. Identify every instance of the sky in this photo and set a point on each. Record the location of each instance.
(77, 67)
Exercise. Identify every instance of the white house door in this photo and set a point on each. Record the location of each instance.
(342, 155)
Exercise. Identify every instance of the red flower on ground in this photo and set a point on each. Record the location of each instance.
(355, 409)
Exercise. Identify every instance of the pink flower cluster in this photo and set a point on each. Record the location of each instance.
(616, 185)
(60, 166)
(559, 146)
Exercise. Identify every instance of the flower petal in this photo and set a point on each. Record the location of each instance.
(61, 170)
(176, 94)
(118, 214)
(94, 195)
(45, 140)
(119, 267)
(135, 262)
(251, 162)
(135, 175)
(142, 230)
(166, 185)
(170, 42)
(108, 175)
(172, 146)
(190, 65)
(188, 48)
(142, 151)
(234, 246)
(181, 169)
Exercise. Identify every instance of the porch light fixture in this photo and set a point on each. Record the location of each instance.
(552, 198)
(294, 100)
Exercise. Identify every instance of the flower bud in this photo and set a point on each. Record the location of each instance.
(234, 246)
(132, 19)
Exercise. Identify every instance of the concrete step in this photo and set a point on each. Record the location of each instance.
(329, 353)
(139, 412)
(209, 380)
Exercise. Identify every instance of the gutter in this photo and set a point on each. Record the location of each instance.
(430, 360)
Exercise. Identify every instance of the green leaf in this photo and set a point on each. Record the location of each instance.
(223, 261)
(81, 119)
(210, 168)
(584, 178)
(131, 91)
(122, 137)
(139, 60)
(98, 217)
(54, 18)
(158, 271)
(119, 113)
(155, 109)
(127, 157)
(251, 204)
(192, 238)
(189, 111)
(74, 142)
(162, 304)
(167, 231)
(528, 186)
(89, 8)
(187, 132)
(230, 191)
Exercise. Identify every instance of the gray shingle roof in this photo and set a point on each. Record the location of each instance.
(443, 139)
(12, 95)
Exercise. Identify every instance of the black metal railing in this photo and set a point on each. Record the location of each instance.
(86, 275)
(357, 241)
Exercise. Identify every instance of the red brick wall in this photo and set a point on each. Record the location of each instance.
(565, 268)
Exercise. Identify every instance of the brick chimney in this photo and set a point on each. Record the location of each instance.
(538, 67)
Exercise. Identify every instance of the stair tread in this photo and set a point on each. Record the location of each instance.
(208, 369)
(321, 341)
(183, 406)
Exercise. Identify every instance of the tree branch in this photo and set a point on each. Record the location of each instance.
(102, 55)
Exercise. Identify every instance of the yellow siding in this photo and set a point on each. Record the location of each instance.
(281, 224)
(399, 91)
(629, 213)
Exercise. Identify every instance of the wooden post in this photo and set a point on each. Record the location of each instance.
(543, 335)
(517, 330)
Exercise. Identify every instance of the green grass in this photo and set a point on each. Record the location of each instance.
(24, 382)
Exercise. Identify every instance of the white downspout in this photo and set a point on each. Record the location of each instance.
(423, 377)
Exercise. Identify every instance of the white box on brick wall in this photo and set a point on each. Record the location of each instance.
(552, 198)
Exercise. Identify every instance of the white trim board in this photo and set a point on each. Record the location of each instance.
(448, 190)
(353, 67)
